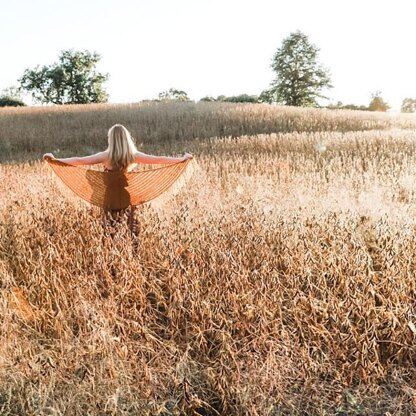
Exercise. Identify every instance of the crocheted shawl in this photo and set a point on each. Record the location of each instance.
(118, 190)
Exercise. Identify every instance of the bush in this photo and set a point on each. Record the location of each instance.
(242, 98)
(11, 102)
(340, 106)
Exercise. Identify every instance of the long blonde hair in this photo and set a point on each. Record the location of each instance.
(121, 147)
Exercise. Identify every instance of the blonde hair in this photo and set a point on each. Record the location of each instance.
(121, 147)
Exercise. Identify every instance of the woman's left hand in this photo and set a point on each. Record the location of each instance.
(187, 156)
(48, 156)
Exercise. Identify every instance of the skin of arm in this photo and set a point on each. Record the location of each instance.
(86, 160)
(144, 158)
(102, 157)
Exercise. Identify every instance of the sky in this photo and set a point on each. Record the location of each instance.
(216, 47)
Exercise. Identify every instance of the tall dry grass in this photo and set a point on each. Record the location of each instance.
(279, 281)
(27, 132)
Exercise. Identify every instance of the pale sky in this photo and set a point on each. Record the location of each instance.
(214, 47)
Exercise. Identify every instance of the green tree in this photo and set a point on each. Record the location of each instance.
(266, 96)
(11, 97)
(377, 103)
(242, 98)
(173, 94)
(207, 98)
(299, 77)
(73, 80)
(340, 106)
(408, 105)
(10, 102)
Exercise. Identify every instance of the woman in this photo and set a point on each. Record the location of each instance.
(120, 155)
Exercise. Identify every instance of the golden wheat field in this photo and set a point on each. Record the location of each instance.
(280, 280)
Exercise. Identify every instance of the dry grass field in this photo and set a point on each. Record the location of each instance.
(27, 132)
(279, 281)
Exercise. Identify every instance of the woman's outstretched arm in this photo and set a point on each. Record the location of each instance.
(99, 157)
(144, 158)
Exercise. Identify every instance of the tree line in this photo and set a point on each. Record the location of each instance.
(299, 81)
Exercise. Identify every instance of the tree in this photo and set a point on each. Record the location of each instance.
(377, 103)
(408, 105)
(242, 98)
(266, 96)
(299, 78)
(340, 106)
(173, 94)
(73, 80)
(207, 98)
(10, 102)
(11, 97)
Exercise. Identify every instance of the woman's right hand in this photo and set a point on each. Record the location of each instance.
(48, 156)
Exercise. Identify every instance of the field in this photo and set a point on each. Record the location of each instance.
(280, 280)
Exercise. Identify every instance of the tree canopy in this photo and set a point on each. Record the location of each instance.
(408, 105)
(11, 97)
(300, 79)
(73, 80)
(242, 98)
(173, 94)
(340, 106)
(377, 103)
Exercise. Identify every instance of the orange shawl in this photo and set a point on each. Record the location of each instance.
(118, 190)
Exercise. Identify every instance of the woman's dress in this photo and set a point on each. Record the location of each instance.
(114, 217)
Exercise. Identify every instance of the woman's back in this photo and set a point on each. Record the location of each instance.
(108, 167)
